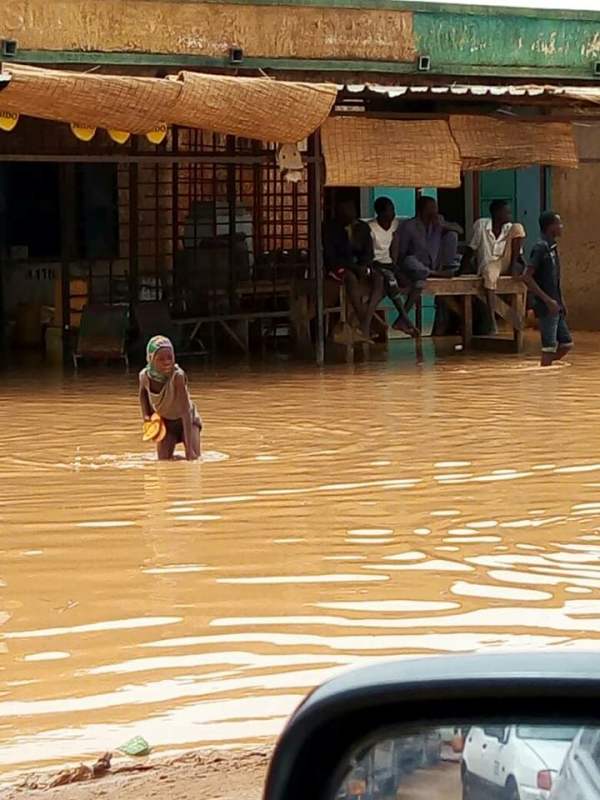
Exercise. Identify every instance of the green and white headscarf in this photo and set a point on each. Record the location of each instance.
(155, 344)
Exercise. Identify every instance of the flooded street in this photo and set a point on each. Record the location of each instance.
(368, 511)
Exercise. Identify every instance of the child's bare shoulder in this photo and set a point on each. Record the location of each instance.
(180, 376)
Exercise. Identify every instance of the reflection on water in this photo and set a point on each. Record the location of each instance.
(338, 518)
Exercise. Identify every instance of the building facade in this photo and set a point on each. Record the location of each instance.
(119, 218)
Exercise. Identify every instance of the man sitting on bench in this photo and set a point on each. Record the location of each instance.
(497, 242)
(425, 247)
(383, 228)
(348, 258)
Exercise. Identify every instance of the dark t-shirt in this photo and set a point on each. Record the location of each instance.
(344, 249)
(545, 261)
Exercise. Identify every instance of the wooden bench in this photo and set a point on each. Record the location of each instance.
(459, 293)
(236, 324)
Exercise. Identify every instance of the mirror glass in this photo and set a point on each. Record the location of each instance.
(458, 762)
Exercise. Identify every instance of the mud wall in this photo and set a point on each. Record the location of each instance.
(576, 196)
(208, 29)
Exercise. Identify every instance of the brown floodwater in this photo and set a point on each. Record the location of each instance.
(339, 517)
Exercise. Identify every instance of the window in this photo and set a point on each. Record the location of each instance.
(98, 213)
(30, 211)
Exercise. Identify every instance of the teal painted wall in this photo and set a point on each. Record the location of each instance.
(507, 41)
(522, 188)
(403, 199)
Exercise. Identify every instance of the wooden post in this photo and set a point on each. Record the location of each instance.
(419, 314)
(316, 250)
(467, 321)
(519, 305)
(231, 221)
(68, 247)
(133, 235)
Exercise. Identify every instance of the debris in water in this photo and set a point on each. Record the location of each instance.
(137, 746)
(67, 776)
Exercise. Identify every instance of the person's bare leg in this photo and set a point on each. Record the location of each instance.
(562, 352)
(412, 298)
(491, 301)
(547, 359)
(196, 440)
(550, 358)
(402, 322)
(166, 449)
(353, 289)
(377, 293)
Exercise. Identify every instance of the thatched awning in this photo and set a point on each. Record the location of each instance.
(364, 151)
(360, 151)
(492, 143)
(253, 108)
(97, 101)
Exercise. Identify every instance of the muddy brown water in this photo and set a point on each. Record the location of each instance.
(340, 517)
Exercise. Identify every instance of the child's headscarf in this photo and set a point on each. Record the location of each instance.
(155, 344)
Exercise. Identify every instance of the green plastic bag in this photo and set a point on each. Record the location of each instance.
(137, 746)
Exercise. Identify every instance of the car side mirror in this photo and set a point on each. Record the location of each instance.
(411, 729)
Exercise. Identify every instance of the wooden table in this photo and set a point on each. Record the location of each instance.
(466, 287)
(458, 293)
(236, 324)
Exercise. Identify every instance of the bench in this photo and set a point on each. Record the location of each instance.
(236, 324)
(466, 287)
(458, 292)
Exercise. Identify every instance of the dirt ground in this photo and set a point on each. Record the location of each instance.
(214, 776)
(438, 783)
(228, 775)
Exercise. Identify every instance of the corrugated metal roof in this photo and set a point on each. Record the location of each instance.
(590, 94)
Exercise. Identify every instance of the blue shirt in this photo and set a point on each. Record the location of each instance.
(414, 239)
(545, 261)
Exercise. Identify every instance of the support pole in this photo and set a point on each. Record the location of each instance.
(68, 201)
(316, 250)
(133, 235)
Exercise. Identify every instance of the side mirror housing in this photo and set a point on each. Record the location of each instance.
(392, 718)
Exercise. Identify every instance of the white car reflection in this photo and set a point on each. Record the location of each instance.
(516, 762)
(579, 778)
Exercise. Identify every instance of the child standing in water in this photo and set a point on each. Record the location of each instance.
(164, 391)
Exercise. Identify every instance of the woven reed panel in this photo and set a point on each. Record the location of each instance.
(381, 152)
(98, 101)
(490, 143)
(255, 108)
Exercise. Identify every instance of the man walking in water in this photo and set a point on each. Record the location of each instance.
(383, 228)
(542, 277)
(497, 242)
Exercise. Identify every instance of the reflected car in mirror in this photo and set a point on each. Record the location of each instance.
(579, 777)
(519, 761)
(477, 727)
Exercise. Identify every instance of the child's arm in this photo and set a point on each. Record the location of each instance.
(186, 417)
(145, 402)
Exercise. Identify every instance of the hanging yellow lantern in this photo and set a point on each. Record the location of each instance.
(82, 132)
(158, 134)
(120, 137)
(8, 121)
